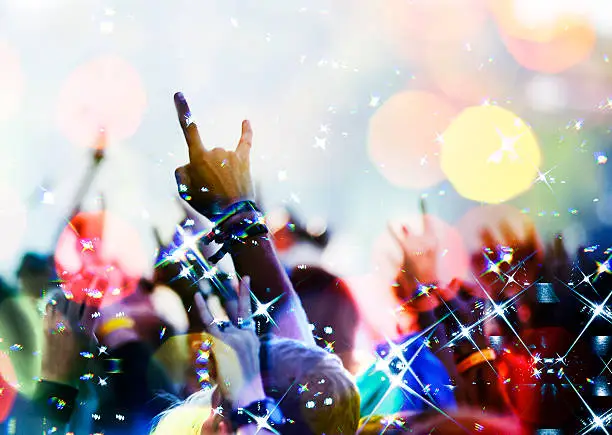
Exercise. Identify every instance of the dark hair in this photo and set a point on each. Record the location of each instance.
(328, 303)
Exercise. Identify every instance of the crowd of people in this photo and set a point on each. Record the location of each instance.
(269, 346)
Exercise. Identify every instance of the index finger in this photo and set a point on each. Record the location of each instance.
(246, 141)
(190, 129)
(395, 234)
(427, 224)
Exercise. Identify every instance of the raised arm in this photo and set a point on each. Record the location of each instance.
(212, 182)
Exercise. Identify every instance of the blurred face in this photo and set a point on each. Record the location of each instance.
(32, 285)
(407, 321)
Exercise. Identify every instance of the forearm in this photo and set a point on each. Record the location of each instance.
(257, 258)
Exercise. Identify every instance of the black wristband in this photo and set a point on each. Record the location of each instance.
(252, 230)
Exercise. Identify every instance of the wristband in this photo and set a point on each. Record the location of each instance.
(244, 229)
(115, 324)
(231, 229)
(234, 209)
(476, 358)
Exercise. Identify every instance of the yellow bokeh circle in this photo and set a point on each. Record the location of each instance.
(489, 154)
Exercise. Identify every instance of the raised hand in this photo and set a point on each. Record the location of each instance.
(510, 263)
(235, 347)
(417, 275)
(215, 179)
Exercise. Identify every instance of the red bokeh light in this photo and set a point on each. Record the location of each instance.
(105, 93)
(8, 380)
(99, 259)
(534, 395)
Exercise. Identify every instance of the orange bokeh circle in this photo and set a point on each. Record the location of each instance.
(105, 93)
(550, 46)
(506, 15)
(403, 138)
(555, 56)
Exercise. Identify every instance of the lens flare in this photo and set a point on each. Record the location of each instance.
(8, 382)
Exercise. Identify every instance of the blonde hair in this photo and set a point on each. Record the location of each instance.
(187, 417)
(318, 394)
(329, 405)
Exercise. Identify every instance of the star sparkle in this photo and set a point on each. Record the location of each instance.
(320, 142)
(263, 310)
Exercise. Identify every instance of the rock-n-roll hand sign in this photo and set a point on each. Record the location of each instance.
(213, 179)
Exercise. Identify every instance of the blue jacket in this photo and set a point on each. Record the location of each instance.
(425, 381)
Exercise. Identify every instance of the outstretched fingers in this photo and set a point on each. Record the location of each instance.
(243, 150)
(190, 129)
(427, 221)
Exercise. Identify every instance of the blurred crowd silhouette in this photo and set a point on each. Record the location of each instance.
(268, 344)
(488, 310)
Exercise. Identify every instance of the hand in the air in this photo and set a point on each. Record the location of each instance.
(508, 264)
(213, 179)
(418, 275)
(235, 346)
